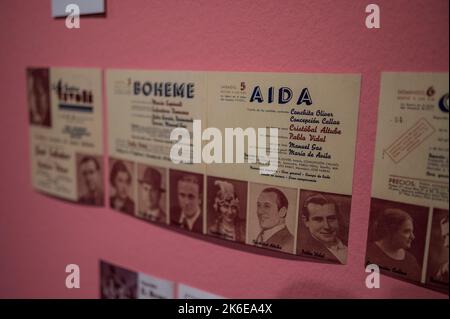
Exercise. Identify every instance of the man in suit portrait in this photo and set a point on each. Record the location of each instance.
(272, 208)
(91, 176)
(187, 213)
(151, 191)
(320, 216)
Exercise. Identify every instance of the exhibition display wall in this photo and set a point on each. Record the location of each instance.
(42, 234)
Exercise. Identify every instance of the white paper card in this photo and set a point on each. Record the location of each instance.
(86, 7)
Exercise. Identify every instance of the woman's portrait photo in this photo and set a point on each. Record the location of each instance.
(227, 208)
(396, 240)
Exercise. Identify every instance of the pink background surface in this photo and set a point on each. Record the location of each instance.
(39, 235)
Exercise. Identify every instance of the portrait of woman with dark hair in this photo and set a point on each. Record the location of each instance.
(394, 235)
(120, 179)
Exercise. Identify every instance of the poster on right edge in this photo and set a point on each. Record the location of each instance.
(408, 225)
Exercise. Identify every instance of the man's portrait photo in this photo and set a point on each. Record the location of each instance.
(272, 217)
(186, 200)
(226, 208)
(90, 180)
(437, 270)
(152, 193)
(117, 282)
(121, 181)
(323, 226)
(39, 97)
(396, 239)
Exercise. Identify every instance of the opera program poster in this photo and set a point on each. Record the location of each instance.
(408, 229)
(188, 292)
(303, 207)
(316, 117)
(144, 107)
(66, 141)
(121, 283)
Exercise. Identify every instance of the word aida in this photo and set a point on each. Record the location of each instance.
(285, 95)
(181, 151)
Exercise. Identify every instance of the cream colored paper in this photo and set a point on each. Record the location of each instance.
(411, 156)
(65, 106)
(408, 230)
(143, 109)
(335, 96)
(316, 136)
(140, 124)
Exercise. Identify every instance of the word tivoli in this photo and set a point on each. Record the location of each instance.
(212, 152)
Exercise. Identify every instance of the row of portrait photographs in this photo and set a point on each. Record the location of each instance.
(121, 283)
(308, 223)
(405, 242)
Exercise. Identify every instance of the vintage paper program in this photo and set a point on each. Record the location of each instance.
(188, 292)
(66, 141)
(121, 283)
(408, 231)
(316, 117)
(143, 108)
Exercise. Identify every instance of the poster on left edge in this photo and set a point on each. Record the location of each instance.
(66, 142)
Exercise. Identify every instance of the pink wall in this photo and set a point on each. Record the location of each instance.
(40, 235)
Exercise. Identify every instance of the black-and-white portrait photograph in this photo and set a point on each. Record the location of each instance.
(121, 180)
(90, 179)
(39, 96)
(227, 208)
(396, 239)
(152, 193)
(272, 217)
(186, 200)
(117, 282)
(323, 225)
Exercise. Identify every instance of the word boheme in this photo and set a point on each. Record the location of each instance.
(182, 152)
(164, 89)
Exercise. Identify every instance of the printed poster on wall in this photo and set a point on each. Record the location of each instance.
(408, 230)
(187, 292)
(121, 283)
(301, 206)
(66, 142)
